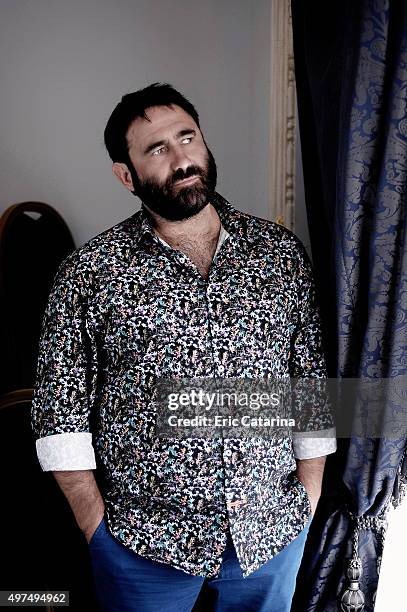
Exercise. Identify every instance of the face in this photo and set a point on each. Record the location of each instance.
(173, 172)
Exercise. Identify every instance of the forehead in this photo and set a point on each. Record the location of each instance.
(163, 120)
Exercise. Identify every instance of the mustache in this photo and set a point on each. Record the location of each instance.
(180, 174)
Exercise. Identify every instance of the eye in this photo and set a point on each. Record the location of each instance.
(186, 139)
(158, 151)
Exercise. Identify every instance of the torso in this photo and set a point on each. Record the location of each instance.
(199, 252)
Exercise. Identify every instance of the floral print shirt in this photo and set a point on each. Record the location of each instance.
(125, 309)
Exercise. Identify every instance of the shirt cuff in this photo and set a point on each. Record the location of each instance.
(307, 446)
(66, 451)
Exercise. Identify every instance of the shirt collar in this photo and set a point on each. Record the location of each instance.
(238, 225)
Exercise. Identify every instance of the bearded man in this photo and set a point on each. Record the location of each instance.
(187, 287)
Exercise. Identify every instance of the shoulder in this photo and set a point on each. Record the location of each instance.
(277, 240)
(103, 251)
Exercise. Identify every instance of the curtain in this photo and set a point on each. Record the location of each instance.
(351, 73)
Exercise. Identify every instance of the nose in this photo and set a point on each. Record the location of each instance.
(179, 159)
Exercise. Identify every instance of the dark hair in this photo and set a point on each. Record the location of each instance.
(134, 105)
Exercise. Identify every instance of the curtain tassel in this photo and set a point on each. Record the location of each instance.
(353, 599)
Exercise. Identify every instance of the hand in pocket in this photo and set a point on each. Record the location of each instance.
(91, 533)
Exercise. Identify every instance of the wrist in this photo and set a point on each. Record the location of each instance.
(87, 522)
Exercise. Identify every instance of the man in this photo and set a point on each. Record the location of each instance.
(186, 287)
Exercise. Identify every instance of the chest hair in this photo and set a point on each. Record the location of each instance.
(200, 253)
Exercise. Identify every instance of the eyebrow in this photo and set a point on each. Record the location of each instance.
(159, 143)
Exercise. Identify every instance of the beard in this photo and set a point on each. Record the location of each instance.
(177, 203)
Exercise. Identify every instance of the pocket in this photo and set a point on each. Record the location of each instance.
(97, 531)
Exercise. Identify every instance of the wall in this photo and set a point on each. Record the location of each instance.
(66, 64)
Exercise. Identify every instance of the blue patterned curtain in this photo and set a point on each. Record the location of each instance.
(351, 70)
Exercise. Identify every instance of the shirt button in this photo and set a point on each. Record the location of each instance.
(221, 369)
(237, 503)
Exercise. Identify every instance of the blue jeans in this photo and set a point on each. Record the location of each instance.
(127, 582)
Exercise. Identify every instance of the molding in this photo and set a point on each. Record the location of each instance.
(283, 116)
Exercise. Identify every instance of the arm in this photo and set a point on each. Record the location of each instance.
(64, 396)
(308, 365)
(310, 472)
(83, 495)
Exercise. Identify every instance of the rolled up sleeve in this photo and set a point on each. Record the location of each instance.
(317, 435)
(66, 375)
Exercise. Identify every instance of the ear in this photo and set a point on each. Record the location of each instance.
(122, 173)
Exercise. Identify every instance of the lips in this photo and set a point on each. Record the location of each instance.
(187, 181)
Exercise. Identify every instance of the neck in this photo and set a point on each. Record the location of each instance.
(205, 224)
